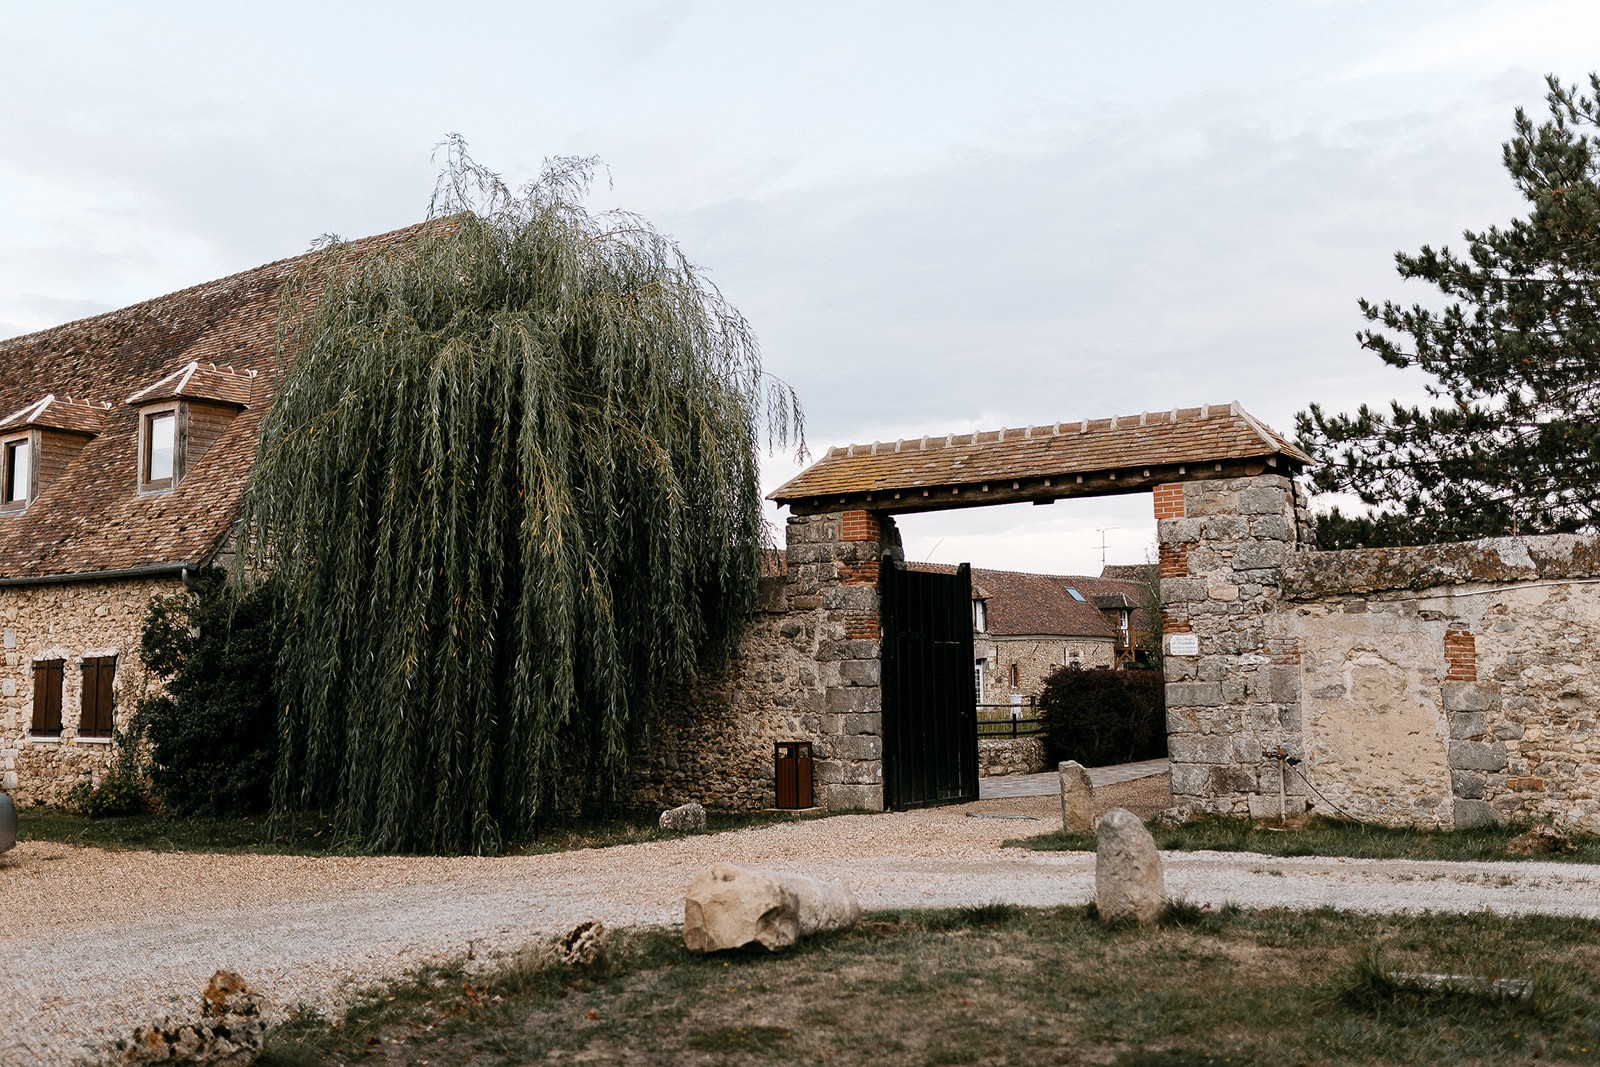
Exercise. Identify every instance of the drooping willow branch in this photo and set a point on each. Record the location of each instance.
(508, 488)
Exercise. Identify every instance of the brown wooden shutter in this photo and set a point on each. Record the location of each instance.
(47, 697)
(97, 675)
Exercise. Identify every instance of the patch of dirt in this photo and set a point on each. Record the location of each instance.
(1142, 796)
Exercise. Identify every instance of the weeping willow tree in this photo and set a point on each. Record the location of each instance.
(507, 490)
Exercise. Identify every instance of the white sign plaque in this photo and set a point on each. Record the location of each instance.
(1183, 645)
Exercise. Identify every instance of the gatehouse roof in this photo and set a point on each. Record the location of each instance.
(1089, 457)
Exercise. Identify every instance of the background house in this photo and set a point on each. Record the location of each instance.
(1026, 626)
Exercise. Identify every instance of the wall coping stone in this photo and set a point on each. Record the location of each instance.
(1499, 560)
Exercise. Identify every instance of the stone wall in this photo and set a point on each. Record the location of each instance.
(67, 621)
(807, 670)
(1450, 685)
(1437, 686)
(1010, 755)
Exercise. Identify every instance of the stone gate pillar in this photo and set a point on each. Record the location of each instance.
(1233, 679)
(833, 571)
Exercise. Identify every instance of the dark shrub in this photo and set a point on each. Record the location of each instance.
(213, 733)
(118, 793)
(1101, 716)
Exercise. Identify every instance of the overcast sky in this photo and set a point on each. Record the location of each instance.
(938, 217)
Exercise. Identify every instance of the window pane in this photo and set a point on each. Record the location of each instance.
(160, 447)
(18, 462)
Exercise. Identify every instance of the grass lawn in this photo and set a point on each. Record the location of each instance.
(1328, 837)
(1002, 985)
(310, 835)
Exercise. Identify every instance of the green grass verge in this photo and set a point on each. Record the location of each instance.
(311, 835)
(1004, 985)
(1328, 837)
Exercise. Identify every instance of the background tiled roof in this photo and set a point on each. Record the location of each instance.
(1018, 604)
(92, 518)
(1182, 436)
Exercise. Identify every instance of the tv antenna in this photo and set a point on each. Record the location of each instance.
(1102, 532)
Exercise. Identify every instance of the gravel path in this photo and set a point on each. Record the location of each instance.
(97, 942)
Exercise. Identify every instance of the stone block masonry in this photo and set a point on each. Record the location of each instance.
(1232, 674)
(999, 756)
(808, 669)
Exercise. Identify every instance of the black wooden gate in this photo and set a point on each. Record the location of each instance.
(930, 734)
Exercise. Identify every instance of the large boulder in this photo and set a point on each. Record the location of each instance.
(688, 818)
(1128, 879)
(733, 907)
(1077, 798)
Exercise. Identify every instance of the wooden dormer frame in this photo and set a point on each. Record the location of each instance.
(149, 486)
(202, 399)
(8, 442)
(55, 430)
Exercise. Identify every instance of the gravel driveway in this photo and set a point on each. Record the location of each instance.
(96, 942)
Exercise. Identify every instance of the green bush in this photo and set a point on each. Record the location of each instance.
(213, 734)
(119, 793)
(1102, 716)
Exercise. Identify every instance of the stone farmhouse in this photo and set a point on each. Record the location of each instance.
(1026, 626)
(125, 440)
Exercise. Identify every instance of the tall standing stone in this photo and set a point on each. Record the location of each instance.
(1077, 798)
(1128, 879)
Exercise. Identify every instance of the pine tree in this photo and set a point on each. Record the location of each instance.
(507, 489)
(1514, 355)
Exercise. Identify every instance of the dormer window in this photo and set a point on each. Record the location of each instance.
(159, 448)
(16, 476)
(39, 442)
(182, 415)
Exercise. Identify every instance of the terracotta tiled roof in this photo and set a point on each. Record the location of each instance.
(215, 341)
(1020, 604)
(58, 413)
(201, 381)
(1154, 445)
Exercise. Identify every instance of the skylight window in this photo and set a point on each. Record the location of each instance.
(1073, 592)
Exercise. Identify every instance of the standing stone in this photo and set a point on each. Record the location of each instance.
(1077, 799)
(690, 817)
(731, 907)
(1128, 881)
